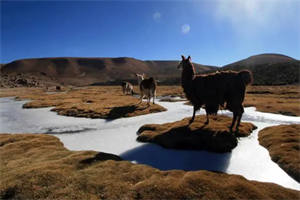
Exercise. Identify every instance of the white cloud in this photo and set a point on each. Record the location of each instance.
(156, 16)
(250, 16)
(185, 28)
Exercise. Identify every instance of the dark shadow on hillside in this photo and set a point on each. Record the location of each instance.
(167, 159)
(123, 111)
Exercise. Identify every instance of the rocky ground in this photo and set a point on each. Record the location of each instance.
(37, 166)
(283, 144)
(15, 80)
(214, 136)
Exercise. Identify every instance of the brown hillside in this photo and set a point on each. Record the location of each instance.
(270, 58)
(86, 71)
(269, 69)
(34, 166)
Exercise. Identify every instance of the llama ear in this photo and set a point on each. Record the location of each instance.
(182, 56)
(189, 58)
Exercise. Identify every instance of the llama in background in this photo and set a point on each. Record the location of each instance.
(214, 90)
(147, 87)
(127, 88)
(140, 77)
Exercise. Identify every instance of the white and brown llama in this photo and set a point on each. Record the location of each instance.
(127, 87)
(147, 87)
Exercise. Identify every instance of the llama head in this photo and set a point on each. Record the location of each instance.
(185, 62)
(140, 76)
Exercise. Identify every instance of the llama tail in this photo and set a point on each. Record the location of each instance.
(246, 76)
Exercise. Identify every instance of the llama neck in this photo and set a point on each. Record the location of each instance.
(187, 76)
(140, 79)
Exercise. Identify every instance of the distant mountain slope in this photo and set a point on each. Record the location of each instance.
(86, 71)
(269, 69)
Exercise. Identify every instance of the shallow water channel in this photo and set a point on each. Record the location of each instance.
(248, 159)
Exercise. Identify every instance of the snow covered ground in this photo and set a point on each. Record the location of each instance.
(119, 137)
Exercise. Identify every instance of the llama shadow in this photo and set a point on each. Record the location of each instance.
(169, 159)
(123, 111)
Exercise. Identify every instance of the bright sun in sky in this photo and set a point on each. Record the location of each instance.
(213, 32)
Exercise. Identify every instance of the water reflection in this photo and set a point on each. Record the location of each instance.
(167, 159)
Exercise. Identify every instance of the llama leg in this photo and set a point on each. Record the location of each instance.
(141, 97)
(148, 101)
(239, 117)
(194, 112)
(149, 97)
(154, 96)
(207, 118)
(233, 121)
(238, 123)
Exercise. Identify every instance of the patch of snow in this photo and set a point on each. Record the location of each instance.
(248, 159)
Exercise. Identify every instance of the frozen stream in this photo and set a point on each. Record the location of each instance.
(119, 137)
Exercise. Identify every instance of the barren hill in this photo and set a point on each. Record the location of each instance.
(87, 71)
(269, 69)
(262, 59)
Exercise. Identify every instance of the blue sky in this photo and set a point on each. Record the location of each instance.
(214, 32)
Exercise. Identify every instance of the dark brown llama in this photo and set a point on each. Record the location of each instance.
(127, 87)
(147, 88)
(214, 90)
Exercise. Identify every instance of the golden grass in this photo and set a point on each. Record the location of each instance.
(92, 102)
(283, 144)
(95, 102)
(35, 166)
(214, 137)
(275, 99)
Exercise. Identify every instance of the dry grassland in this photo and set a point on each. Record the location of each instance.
(95, 102)
(275, 99)
(39, 167)
(180, 135)
(92, 102)
(283, 144)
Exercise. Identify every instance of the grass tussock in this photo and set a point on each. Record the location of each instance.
(214, 136)
(283, 144)
(37, 166)
(105, 102)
